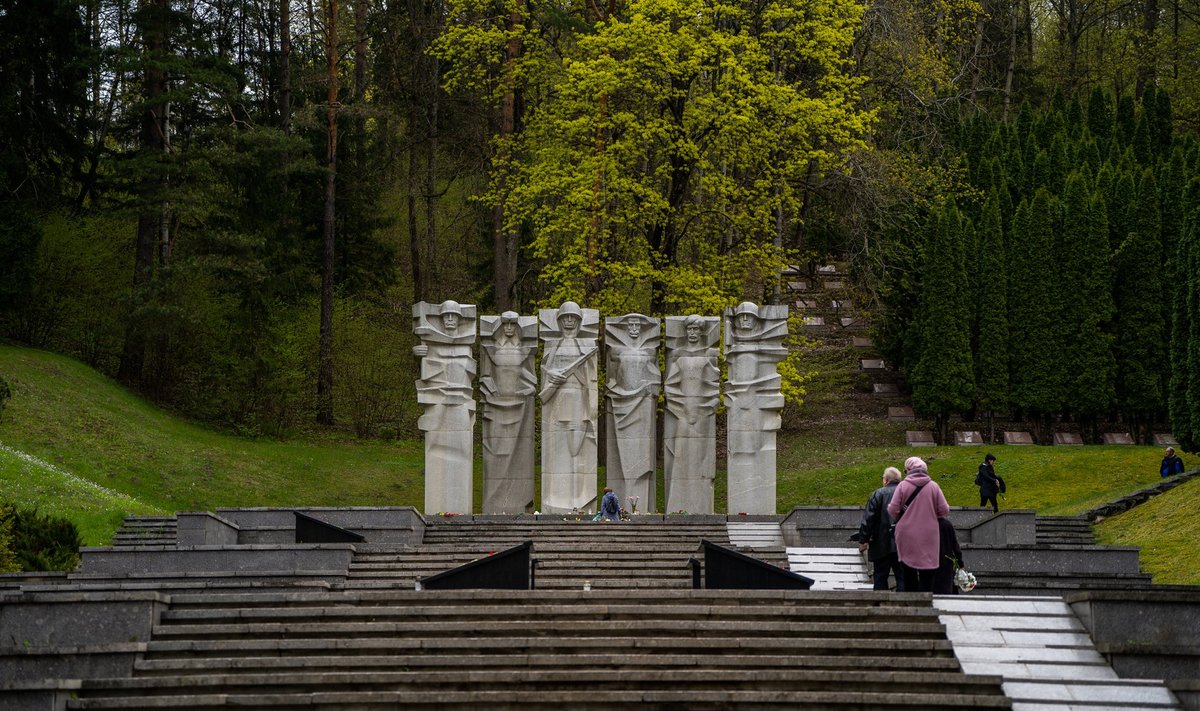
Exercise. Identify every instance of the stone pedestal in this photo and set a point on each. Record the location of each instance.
(507, 386)
(569, 408)
(444, 390)
(754, 345)
(689, 419)
(632, 384)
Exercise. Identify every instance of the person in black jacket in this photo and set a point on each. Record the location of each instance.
(875, 533)
(989, 483)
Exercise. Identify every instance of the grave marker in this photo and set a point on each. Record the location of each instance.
(1068, 438)
(969, 438)
(919, 438)
(1018, 438)
(1117, 438)
(901, 414)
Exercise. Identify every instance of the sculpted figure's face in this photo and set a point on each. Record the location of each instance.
(569, 323)
(634, 329)
(693, 333)
(745, 322)
(509, 329)
(450, 322)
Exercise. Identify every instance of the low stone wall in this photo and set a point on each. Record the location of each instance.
(402, 525)
(833, 525)
(1148, 634)
(329, 558)
(49, 640)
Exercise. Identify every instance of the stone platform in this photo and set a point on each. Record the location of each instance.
(211, 610)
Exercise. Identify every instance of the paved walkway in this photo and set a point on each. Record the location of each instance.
(1035, 643)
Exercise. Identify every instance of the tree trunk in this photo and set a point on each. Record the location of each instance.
(431, 151)
(325, 356)
(412, 188)
(153, 19)
(504, 240)
(285, 66)
(1146, 62)
(1012, 57)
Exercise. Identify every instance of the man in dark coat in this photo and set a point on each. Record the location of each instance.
(989, 483)
(875, 533)
(1171, 463)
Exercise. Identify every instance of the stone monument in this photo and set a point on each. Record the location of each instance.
(507, 385)
(632, 384)
(569, 408)
(690, 421)
(445, 390)
(754, 345)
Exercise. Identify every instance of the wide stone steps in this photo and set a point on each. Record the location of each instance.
(1044, 653)
(544, 649)
(869, 686)
(516, 701)
(168, 666)
(571, 555)
(1064, 530)
(146, 531)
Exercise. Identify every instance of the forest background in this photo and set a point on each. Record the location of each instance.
(230, 206)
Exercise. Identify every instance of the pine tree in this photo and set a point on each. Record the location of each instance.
(1126, 120)
(990, 288)
(1140, 328)
(1120, 208)
(942, 380)
(1183, 300)
(1033, 308)
(1090, 368)
(1100, 116)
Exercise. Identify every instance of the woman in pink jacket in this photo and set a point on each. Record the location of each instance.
(916, 507)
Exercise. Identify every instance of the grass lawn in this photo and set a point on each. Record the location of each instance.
(817, 469)
(73, 443)
(82, 424)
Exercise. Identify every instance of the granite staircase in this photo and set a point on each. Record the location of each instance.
(570, 554)
(653, 649)
(146, 531)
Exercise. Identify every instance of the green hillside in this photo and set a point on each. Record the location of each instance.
(85, 428)
(73, 443)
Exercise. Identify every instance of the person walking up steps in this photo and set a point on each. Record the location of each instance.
(990, 484)
(875, 533)
(916, 506)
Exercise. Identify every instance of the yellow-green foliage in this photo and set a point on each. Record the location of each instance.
(1167, 527)
(666, 148)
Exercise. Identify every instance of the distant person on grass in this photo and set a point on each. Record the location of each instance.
(990, 484)
(875, 533)
(916, 506)
(1171, 464)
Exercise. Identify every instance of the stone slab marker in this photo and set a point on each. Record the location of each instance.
(690, 418)
(507, 385)
(569, 408)
(754, 345)
(445, 391)
(632, 384)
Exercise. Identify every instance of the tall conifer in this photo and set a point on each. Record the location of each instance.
(1033, 308)
(990, 288)
(1183, 312)
(1090, 367)
(942, 379)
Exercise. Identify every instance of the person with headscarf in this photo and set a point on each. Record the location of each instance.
(916, 506)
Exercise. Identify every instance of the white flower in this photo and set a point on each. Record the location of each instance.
(964, 580)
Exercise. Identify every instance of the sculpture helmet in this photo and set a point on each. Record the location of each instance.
(746, 307)
(570, 308)
(509, 317)
(450, 307)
